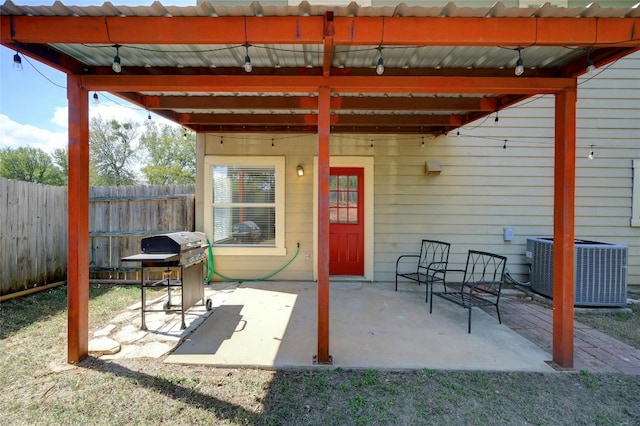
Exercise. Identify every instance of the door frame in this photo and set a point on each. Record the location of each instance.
(359, 162)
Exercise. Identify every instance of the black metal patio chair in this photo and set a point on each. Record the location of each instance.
(428, 267)
(481, 285)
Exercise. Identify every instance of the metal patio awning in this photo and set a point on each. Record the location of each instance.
(443, 66)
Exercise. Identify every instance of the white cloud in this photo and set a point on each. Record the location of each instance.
(15, 135)
(108, 111)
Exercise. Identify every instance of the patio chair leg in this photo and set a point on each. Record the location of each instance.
(498, 311)
(396, 281)
(469, 328)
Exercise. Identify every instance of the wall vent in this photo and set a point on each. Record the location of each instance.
(600, 271)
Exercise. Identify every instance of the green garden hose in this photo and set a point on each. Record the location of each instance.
(212, 270)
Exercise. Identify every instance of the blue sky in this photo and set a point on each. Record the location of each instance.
(33, 102)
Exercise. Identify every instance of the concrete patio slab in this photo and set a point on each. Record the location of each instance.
(273, 325)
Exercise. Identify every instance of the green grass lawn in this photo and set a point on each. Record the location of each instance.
(39, 387)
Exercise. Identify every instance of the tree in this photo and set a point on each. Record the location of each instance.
(112, 151)
(60, 158)
(30, 165)
(171, 154)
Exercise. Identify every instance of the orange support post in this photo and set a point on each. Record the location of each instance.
(78, 222)
(324, 109)
(563, 228)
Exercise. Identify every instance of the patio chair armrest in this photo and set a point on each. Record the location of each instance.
(417, 256)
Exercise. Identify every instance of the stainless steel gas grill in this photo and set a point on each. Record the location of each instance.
(181, 254)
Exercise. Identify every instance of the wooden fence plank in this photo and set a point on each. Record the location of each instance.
(33, 228)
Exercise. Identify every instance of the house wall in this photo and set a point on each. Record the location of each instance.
(485, 184)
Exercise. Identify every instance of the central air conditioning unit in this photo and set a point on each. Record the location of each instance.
(600, 271)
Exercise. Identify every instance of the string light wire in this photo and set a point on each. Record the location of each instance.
(582, 81)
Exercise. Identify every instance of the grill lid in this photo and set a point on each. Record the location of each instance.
(175, 242)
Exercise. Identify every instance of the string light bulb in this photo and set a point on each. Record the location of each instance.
(519, 64)
(17, 62)
(591, 156)
(380, 66)
(221, 140)
(116, 66)
(96, 99)
(247, 59)
(591, 67)
(148, 115)
(422, 144)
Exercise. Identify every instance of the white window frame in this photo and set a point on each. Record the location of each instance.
(279, 163)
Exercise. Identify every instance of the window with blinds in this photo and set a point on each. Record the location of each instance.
(244, 205)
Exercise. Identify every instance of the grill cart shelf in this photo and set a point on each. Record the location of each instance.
(179, 254)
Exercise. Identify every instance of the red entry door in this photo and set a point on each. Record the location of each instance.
(346, 221)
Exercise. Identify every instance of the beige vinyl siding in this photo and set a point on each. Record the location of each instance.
(298, 204)
(482, 187)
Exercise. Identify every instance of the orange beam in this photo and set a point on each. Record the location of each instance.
(311, 103)
(324, 111)
(329, 31)
(460, 31)
(563, 228)
(340, 84)
(359, 30)
(78, 222)
(347, 120)
(164, 30)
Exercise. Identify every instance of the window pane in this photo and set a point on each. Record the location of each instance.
(333, 215)
(244, 184)
(333, 182)
(333, 199)
(353, 215)
(353, 183)
(244, 211)
(244, 226)
(342, 182)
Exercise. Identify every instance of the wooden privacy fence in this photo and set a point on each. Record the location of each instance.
(33, 235)
(120, 216)
(33, 228)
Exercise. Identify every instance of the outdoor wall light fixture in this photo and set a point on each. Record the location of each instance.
(17, 62)
(96, 99)
(519, 64)
(247, 59)
(300, 171)
(116, 66)
(380, 66)
(432, 167)
(591, 156)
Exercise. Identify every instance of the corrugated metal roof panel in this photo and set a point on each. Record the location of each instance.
(304, 8)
